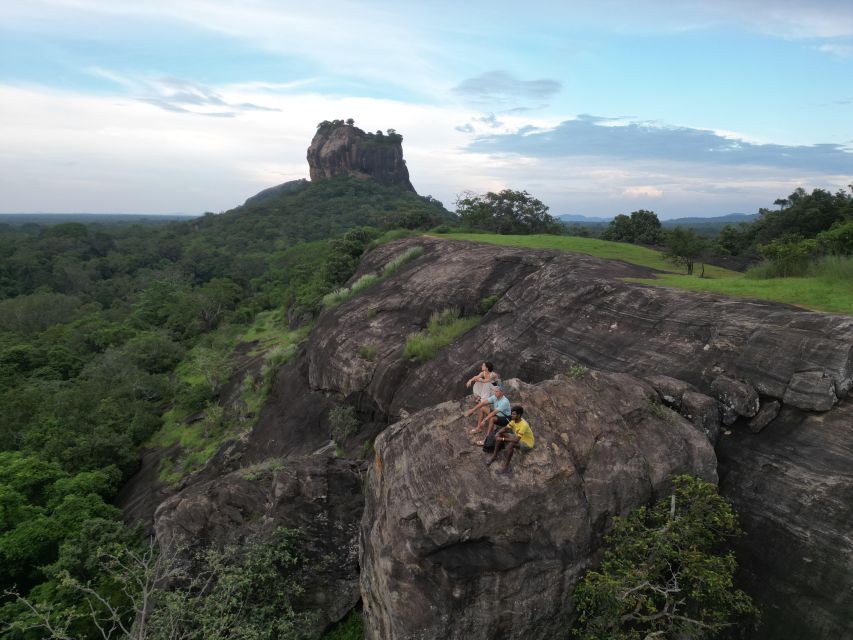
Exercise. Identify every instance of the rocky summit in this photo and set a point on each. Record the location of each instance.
(344, 149)
(623, 384)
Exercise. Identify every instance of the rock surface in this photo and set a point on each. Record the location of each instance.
(319, 496)
(554, 311)
(811, 390)
(737, 398)
(792, 486)
(446, 542)
(341, 149)
(766, 414)
(704, 412)
(557, 310)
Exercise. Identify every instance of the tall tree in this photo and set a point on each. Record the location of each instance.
(507, 212)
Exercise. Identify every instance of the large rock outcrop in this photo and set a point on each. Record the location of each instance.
(342, 149)
(556, 310)
(446, 542)
(708, 356)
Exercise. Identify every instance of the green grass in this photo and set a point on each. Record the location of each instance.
(810, 293)
(367, 351)
(632, 253)
(828, 287)
(407, 256)
(443, 328)
(343, 294)
(198, 441)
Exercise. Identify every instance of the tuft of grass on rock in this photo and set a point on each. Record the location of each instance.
(407, 256)
(443, 328)
(367, 351)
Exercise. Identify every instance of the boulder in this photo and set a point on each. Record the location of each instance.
(704, 412)
(792, 488)
(811, 390)
(321, 497)
(446, 541)
(766, 414)
(736, 397)
(669, 389)
(342, 149)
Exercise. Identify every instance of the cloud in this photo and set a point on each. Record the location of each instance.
(647, 191)
(590, 136)
(178, 95)
(500, 88)
(836, 49)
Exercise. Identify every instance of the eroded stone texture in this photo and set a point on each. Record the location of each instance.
(669, 389)
(446, 541)
(766, 414)
(792, 486)
(319, 496)
(737, 398)
(347, 150)
(555, 310)
(704, 412)
(811, 390)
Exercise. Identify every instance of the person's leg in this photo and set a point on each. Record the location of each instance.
(498, 436)
(511, 443)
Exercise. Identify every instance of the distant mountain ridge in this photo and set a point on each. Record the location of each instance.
(88, 218)
(730, 218)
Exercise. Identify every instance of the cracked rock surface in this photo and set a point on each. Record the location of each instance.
(446, 542)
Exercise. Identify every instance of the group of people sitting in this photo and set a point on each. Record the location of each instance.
(498, 417)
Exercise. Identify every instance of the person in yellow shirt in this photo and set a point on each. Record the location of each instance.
(516, 435)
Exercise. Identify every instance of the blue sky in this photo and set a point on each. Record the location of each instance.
(194, 105)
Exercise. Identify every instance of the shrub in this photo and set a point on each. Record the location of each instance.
(838, 240)
(789, 256)
(343, 423)
(443, 328)
(667, 571)
(576, 371)
(367, 351)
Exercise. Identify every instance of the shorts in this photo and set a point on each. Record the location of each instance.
(501, 421)
(524, 448)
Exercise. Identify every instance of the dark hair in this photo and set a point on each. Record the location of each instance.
(518, 409)
(489, 366)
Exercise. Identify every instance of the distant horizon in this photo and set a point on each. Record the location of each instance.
(197, 105)
(191, 215)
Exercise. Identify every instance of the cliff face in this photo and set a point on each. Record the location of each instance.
(342, 149)
(443, 541)
(446, 543)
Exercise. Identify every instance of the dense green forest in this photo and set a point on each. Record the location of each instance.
(111, 334)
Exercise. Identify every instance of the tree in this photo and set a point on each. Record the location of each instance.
(683, 247)
(507, 212)
(642, 227)
(667, 572)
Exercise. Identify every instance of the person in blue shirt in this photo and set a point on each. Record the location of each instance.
(494, 410)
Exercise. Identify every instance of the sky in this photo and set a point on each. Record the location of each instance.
(183, 106)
